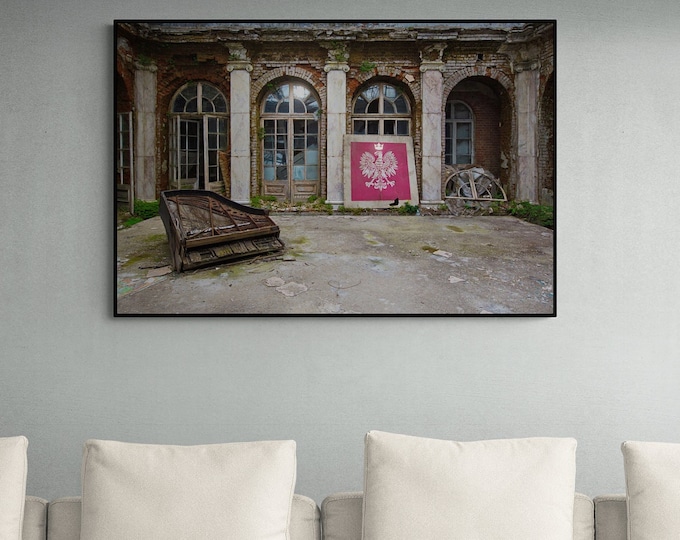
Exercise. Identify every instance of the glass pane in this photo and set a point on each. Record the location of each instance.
(312, 126)
(268, 157)
(298, 157)
(220, 104)
(269, 173)
(269, 126)
(312, 141)
(463, 159)
(298, 143)
(461, 111)
(283, 107)
(312, 173)
(269, 142)
(281, 142)
(212, 125)
(402, 106)
(371, 93)
(212, 141)
(388, 127)
(282, 126)
(402, 127)
(298, 172)
(180, 102)
(359, 127)
(191, 106)
(271, 103)
(372, 107)
(207, 106)
(190, 91)
(463, 130)
(388, 108)
(390, 92)
(298, 106)
(312, 104)
(209, 92)
(463, 147)
(360, 105)
(312, 157)
(373, 127)
(298, 126)
(282, 173)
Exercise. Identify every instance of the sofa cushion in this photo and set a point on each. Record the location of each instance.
(341, 514)
(486, 490)
(652, 489)
(13, 469)
(141, 491)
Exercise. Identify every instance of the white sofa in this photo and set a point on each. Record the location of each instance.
(602, 518)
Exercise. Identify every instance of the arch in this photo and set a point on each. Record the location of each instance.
(469, 72)
(381, 107)
(289, 132)
(198, 125)
(490, 132)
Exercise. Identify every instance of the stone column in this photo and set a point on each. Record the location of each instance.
(526, 106)
(431, 134)
(239, 115)
(336, 121)
(145, 131)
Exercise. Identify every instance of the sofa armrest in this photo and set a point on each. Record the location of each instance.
(35, 519)
(611, 517)
(341, 516)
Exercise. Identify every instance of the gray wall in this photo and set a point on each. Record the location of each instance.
(606, 369)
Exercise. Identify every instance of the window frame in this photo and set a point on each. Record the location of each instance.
(207, 164)
(451, 130)
(380, 116)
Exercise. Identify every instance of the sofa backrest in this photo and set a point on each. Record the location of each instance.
(341, 517)
(611, 517)
(35, 519)
(64, 519)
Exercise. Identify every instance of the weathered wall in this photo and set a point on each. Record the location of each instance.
(606, 369)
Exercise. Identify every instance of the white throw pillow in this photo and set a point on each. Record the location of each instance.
(425, 489)
(652, 490)
(13, 469)
(216, 491)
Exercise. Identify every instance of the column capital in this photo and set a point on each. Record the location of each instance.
(435, 65)
(238, 57)
(240, 66)
(336, 66)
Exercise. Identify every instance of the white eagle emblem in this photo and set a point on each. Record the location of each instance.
(379, 169)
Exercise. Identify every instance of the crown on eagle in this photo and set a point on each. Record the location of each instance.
(378, 146)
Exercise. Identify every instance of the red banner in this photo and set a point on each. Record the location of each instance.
(379, 171)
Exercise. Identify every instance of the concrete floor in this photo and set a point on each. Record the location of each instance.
(341, 264)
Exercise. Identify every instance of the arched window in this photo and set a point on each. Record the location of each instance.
(198, 135)
(290, 140)
(381, 109)
(459, 145)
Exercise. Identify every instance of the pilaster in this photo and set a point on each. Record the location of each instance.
(526, 105)
(336, 120)
(239, 68)
(431, 138)
(145, 131)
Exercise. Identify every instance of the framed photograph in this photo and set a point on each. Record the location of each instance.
(334, 168)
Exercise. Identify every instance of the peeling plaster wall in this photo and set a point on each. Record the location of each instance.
(605, 370)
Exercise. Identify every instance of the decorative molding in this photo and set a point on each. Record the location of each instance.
(336, 66)
(240, 65)
(435, 65)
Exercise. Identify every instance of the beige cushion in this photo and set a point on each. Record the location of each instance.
(138, 491)
(652, 489)
(13, 469)
(418, 488)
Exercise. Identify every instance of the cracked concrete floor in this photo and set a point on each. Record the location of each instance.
(341, 264)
